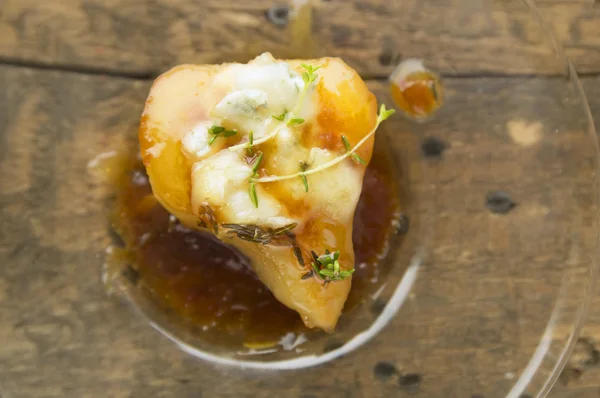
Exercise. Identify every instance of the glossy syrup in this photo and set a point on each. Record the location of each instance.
(416, 90)
(211, 286)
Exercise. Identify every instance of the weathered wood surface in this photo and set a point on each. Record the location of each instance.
(581, 378)
(477, 311)
(145, 37)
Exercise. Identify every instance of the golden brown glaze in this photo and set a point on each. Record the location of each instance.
(212, 286)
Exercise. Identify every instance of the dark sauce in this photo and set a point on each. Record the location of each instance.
(210, 286)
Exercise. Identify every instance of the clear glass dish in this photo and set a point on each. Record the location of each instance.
(483, 296)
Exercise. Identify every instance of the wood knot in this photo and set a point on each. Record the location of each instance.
(278, 14)
(384, 370)
(433, 147)
(499, 202)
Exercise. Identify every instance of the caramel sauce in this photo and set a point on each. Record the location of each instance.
(418, 95)
(211, 286)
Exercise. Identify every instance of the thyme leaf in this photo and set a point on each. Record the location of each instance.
(281, 117)
(295, 121)
(383, 115)
(253, 195)
(305, 182)
(217, 131)
(327, 267)
(264, 235)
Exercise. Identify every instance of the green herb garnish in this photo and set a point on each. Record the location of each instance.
(217, 131)
(355, 156)
(327, 266)
(383, 115)
(295, 121)
(309, 75)
(303, 167)
(252, 192)
(250, 143)
(280, 117)
(346, 143)
(256, 164)
(305, 182)
(264, 235)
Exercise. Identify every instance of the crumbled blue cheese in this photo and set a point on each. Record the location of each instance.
(255, 92)
(242, 102)
(279, 84)
(195, 143)
(244, 110)
(222, 181)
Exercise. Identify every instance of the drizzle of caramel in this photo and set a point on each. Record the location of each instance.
(419, 95)
(212, 286)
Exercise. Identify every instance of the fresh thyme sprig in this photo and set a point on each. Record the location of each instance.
(309, 75)
(252, 188)
(355, 156)
(260, 140)
(288, 118)
(327, 267)
(217, 131)
(291, 121)
(263, 235)
(383, 115)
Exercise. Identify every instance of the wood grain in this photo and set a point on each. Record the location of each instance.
(481, 301)
(146, 37)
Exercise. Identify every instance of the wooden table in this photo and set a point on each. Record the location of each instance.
(74, 74)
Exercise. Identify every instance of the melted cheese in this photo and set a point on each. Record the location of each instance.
(222, 182)
(264, 88)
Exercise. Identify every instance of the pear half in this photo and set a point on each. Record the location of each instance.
(223, 146)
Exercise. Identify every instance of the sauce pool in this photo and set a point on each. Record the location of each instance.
(211, 286)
